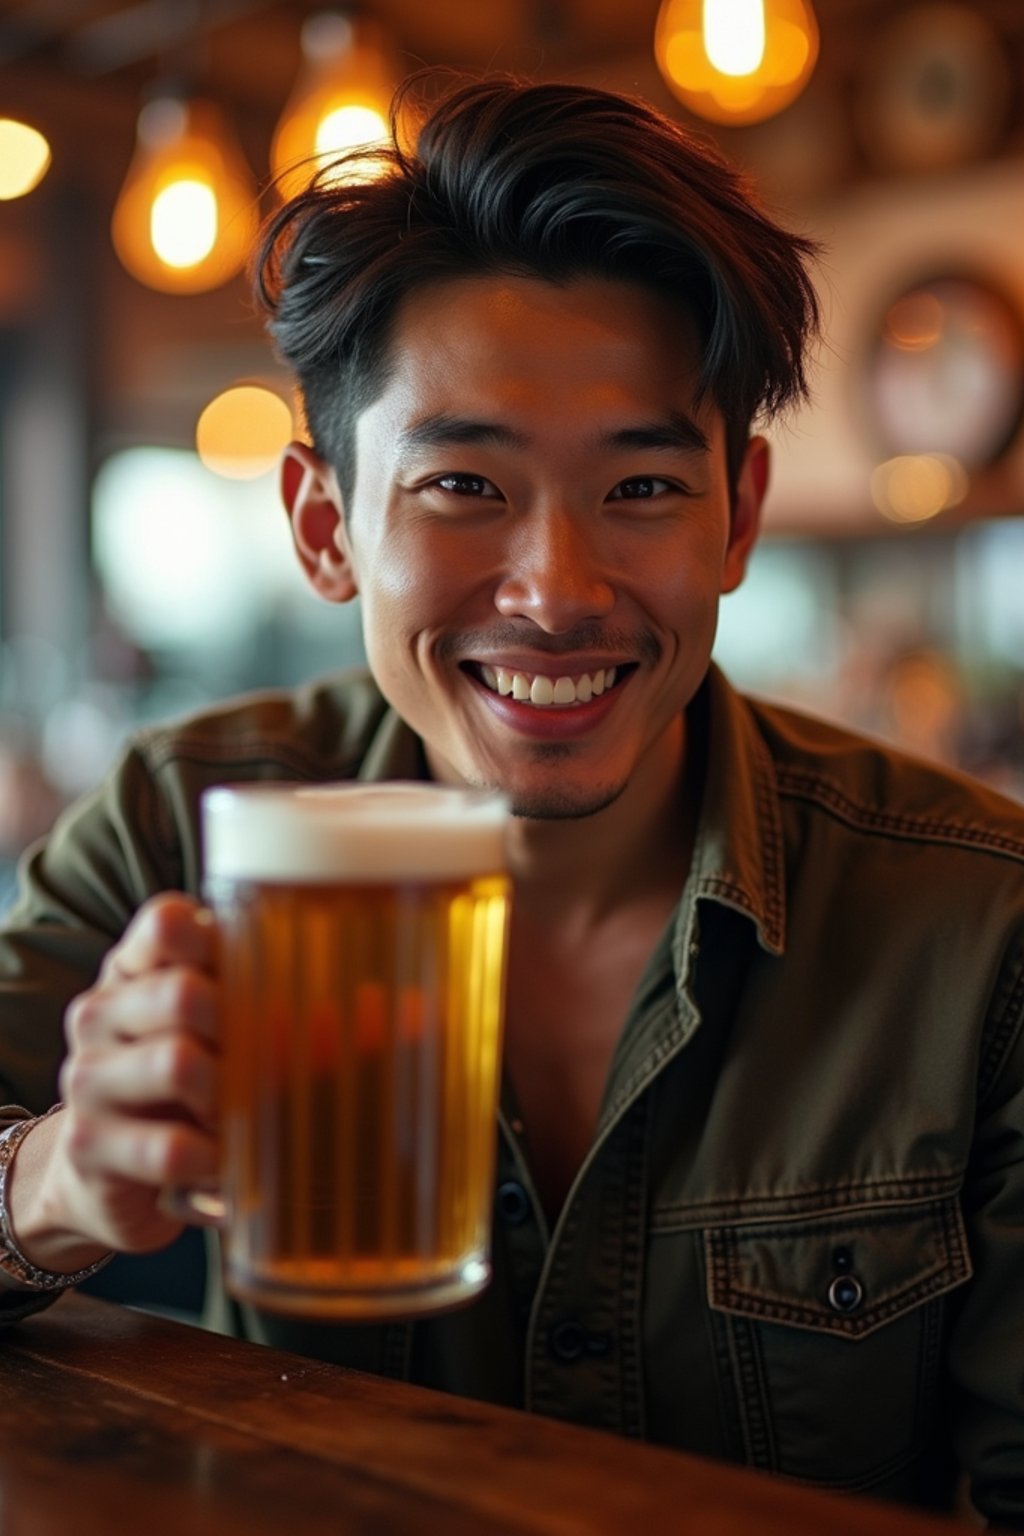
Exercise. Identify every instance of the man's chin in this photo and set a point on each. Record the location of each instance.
(554, 797)
(563, 802)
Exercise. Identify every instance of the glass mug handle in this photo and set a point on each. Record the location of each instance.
(203, 1205)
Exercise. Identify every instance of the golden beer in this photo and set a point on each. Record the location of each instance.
(361, 1044)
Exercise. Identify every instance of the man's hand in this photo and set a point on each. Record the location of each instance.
(140, 1088)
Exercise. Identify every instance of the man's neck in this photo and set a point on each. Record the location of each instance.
(578, 871)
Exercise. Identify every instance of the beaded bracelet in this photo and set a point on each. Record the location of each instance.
(13, 1263)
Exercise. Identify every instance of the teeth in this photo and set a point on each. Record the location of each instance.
(546, 691)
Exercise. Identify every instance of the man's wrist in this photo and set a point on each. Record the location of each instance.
(16, 1268)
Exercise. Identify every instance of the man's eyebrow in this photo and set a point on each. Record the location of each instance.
(445, 431)
(675, 433)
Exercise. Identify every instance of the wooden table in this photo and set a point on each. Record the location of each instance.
(122, 1424)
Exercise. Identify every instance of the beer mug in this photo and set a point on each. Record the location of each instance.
(362, 932)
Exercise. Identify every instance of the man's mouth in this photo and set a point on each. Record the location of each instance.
(547, 692)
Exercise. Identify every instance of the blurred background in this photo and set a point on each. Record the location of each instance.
(145, 567)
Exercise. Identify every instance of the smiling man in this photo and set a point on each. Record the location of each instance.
(761, 1151)
(569, 541)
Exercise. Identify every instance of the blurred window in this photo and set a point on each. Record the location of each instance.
(200, 572)
(778, 632)
(990, 592)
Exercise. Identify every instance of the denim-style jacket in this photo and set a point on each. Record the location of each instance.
(797, 1240)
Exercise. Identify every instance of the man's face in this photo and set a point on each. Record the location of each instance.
(540, 531)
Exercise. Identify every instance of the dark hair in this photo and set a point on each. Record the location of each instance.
(550, 181)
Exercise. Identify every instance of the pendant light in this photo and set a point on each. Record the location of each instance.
(340, 102)
(24, 158)
(736, 61)
(186, 215)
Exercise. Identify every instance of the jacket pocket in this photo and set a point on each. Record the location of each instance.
(833, 1328)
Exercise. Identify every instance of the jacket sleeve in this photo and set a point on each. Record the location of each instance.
(986, 1355)
(78, 890)
(138, 834)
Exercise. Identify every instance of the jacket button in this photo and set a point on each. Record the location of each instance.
(567, 1341)
(513, 1203)
(845, 1294)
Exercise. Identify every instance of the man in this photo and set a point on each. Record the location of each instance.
(760, 1188)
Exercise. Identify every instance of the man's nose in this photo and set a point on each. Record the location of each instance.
(554, 574)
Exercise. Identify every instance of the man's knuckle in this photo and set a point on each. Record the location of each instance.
(73, 1078)
(165, 917)
(81, 1137)
(167, 1156)
(83, 1015)
(195, 1000)
(177, 1065)
(184, 993)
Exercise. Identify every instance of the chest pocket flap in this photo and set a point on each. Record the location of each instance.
(846, 1275)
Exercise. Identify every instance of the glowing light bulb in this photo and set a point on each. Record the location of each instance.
(736, 61)
(24, 158)
(183, 223)
(734, 35)
(341, 102)
(349, 127)
(186, 216)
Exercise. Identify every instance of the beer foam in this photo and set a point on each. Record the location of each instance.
(351, 832)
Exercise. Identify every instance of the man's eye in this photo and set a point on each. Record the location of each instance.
(466, 485)
(641, 488)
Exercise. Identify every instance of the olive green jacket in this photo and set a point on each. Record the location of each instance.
(798, 1238)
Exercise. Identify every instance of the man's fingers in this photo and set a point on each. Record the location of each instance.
(160, 1154)
(174, 1075)
(174, 999)
(169, 930)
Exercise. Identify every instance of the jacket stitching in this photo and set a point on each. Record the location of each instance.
(765, 904)
(757, 1414)
(828, 795)
(738, 1293)
(806, 1200)
(771, 843)
(737, 1374)
(665, 1045)
(258, 752)
(729, 1294)
(730, 1404)
(997, 1048)
(725, 888)
(748, 1304)
(631, 1384)
(164, 825)
(928, 1371)
(542, 1391)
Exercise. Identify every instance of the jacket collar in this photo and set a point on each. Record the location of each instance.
(395, 752)
(738, 854)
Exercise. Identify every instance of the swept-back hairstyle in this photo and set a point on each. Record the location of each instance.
(550, 181)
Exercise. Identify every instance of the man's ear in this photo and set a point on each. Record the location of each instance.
(745, 522)
(312, 499)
